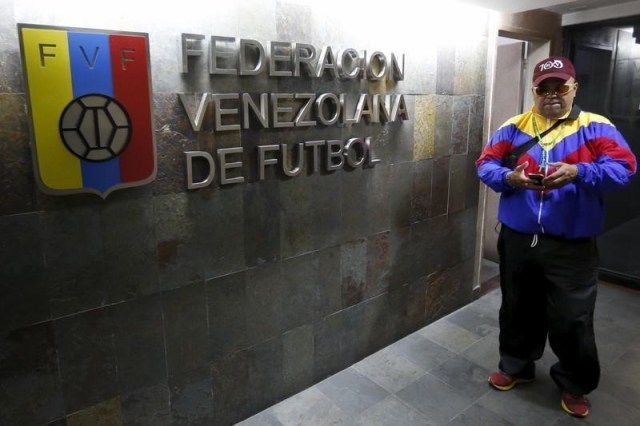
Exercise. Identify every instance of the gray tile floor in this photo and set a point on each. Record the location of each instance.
(437, 376)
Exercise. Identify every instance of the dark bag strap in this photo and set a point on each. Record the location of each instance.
(575, 112)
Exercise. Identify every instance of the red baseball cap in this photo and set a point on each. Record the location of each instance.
(553, 66)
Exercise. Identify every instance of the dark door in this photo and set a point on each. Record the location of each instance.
(607, 60)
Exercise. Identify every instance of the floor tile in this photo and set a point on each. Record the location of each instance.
(310, 407)
(467, 378)
(488, 304)
(392, 411)
(449, 335)
(484, 352)
(390, 370)
(435, 399)
(351, 391)
(476, 322)
(478, 416)
(265, 418)
(524, 408)
(422, 351)
(622, 380)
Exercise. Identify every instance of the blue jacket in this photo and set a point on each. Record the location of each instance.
(576, 210)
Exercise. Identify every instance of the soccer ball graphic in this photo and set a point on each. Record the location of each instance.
(95, 127)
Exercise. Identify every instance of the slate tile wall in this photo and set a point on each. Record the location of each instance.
(165, 306)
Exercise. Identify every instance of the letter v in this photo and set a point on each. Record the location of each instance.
(91, 62)
(188, 100)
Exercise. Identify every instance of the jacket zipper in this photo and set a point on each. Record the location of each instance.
(546, 169)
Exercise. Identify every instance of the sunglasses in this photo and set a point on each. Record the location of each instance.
(558, 90)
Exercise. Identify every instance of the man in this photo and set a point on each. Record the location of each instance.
(550, 212)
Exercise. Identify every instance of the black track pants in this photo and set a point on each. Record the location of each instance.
(549, 290)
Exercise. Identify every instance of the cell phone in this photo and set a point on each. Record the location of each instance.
(537, 177)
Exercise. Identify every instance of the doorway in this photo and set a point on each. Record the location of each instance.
(510, 96)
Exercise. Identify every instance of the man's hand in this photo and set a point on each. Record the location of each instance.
(518, 179)
(565, 173)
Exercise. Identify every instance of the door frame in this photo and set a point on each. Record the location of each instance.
(538, 48)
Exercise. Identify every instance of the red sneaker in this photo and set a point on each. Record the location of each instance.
(576, 405)
(504, 382)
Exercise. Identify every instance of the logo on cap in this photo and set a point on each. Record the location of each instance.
(89, 97)
(556, 63)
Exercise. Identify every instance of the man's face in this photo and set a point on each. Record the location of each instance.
(553, 97)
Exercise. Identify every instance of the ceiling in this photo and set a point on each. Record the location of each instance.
(564, 7)
(558, 6)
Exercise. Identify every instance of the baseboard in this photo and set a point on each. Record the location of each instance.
(617, 278)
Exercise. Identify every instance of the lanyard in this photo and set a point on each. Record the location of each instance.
(546, 146)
